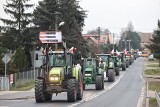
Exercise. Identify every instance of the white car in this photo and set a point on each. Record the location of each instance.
(151, 57)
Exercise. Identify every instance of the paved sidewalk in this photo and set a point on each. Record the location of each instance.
(13, 95)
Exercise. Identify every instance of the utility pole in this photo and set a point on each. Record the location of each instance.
(99, 32)
(129, 44)
(113, 42)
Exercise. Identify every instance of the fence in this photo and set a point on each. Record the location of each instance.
(19, 78)
(4, 83)
(158, 98)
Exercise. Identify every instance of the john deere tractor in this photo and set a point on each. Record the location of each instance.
(109, 67)
(58, 73)
(116, 64)
(92, 74)
(123, 61)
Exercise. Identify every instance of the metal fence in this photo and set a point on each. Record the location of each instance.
(4, 83)
(19, 78)
(157, 95)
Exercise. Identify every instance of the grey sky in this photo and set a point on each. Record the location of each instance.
(115, 14)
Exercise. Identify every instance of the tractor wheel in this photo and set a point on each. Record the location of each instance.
(80, 87)
(48, 97)
(71, 90)
(39, 91)
(98, 82)
(117, 71)
(123, 67)
(127, 64)
(102, 80)
(111, 75)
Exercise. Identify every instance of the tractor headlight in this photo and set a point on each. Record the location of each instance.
(53, 78)
(88, 75)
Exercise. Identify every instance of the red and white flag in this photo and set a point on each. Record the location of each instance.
(112, 52)
(117, 53)
(71, 50)
(125, 52)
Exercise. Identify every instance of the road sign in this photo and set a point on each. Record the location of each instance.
(50, 37)
(6, 58)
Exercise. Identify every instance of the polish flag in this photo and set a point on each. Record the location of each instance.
(117, 53)
(71, 50)
(44, 52)
(112, 52)
(125, 52)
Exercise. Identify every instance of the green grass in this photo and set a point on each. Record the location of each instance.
(152, 61)
(23, 86)
(153, 102)
(153, 65)
(154, 86)
(152, 71)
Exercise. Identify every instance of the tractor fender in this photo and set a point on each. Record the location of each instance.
(75, 71)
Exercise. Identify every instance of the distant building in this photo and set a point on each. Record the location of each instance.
(103, 39)
(145, 39)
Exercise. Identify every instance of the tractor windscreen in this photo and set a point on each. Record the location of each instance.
(89, 63)
(104, 58)
(58, 60)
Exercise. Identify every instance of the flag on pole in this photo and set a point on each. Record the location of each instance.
(71, 50)
(117, 53)
(112, 52)
(125, 52)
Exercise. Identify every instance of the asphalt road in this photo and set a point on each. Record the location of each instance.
(124, 92)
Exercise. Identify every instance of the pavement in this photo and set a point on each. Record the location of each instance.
(14, 95)
(150, 78)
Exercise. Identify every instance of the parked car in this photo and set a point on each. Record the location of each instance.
(151, 57)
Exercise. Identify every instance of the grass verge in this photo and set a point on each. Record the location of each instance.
(153, 65)
(152, 71)
(154, 86)
(23, 86)
(153, 102)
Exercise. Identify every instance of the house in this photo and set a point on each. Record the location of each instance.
(145, 39)
(102, 39)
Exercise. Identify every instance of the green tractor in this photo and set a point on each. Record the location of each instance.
(92, 74)
(123, 61)
(59, 74)
(116, 62)
(108, 67)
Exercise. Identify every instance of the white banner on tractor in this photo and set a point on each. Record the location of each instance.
(50, 37)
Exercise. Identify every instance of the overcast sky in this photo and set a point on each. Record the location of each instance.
(115, 14)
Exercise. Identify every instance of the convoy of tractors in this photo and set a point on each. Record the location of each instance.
(63, 72)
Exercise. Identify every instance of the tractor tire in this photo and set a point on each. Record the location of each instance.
(123, 67)
(48, 97)
(80, 87)
(39, 91)
(127, 64)
(102, 81)
(117, 71)
(111, 75)
(98, 82)
(71, 90)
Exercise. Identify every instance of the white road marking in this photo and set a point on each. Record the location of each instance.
(96, 95)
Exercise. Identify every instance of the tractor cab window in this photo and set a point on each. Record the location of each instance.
(89, 63)
(103, 58)
(58, 60)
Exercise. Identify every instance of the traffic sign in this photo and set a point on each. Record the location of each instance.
(6, 58)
